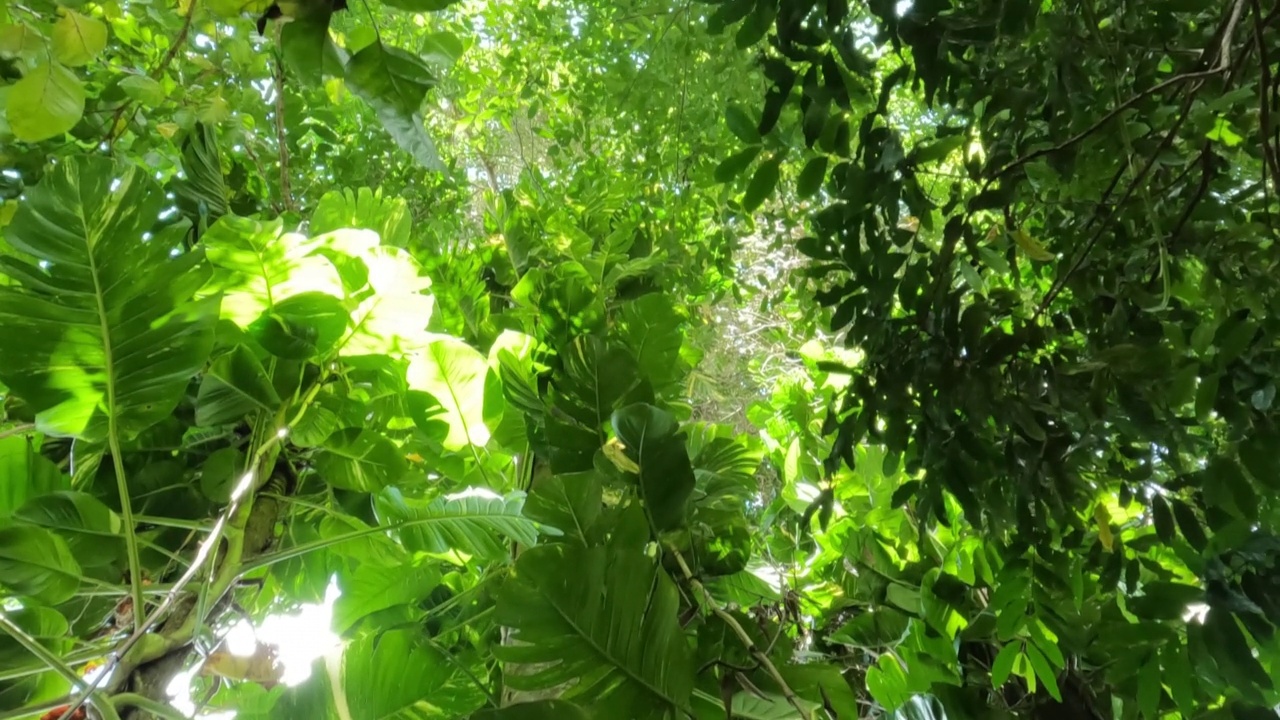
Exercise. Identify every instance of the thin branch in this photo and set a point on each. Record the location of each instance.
(34, 647)
(22, 429)
(1264, 107)
(1224, 62)
(738, 630)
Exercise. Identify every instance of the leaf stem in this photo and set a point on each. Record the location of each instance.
(32, 646)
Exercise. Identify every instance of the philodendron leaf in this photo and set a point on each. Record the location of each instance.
(360, 459)
(394, 83)
(109, 325)
(395, 675)
(258, 266)
(454, 373)
(235, 385)
(25, 474)
(476, 524)
(654, 441)
(91, 529)
(608, 619)
(36, 563)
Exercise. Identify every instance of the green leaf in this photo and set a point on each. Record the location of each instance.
(876, 628)
(475, 524)
(608, 619)
(306, 47)
(36, 563)
(734, 165)
(236, 385)
(371, 588)
(220, 473)
(25, 474)
(20, 41)
(367, 209)
(259, 266)
(110, 329)
(1149, 688)
(741, 125)
(652, 329)
(359, 459)
(536, 710)
(394, 83)
(454, 373)
(569, 502)
(1162, 518)
(1189, 524)
(1002, 666)
(91, 529)
(811, 177)
(653, 441)
(393, 319)
(143, 89)
(305, 326)
(394, 676)
(762, 184)
(77, 39)
(1044, 671)
(419, 6)
(47, 102)
(1260, 455)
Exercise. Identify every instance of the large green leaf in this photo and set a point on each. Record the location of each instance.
(259, 266)
(91, 529)
(47, 102)
(473, 524)
(360, 459)
(36, 563)
(394, 83)
(367, 209)
(454, 373)
(235, 385)
(394, 676)
(108, 323)
(569, 502)
(652, 329)
(25, 474)
(372, 588)
(607, 620)
(393, 319)
(653, 440)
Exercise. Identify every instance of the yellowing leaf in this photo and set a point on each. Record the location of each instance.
(617, 454)
(45, 103)
(1103, 519)
(1031, 247)
(261, 667)
(20, 41)
(167, 129)
(78, 39)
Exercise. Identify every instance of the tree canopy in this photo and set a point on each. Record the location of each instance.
(570, 359)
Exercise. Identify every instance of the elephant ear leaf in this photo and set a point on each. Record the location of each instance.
(111, 328)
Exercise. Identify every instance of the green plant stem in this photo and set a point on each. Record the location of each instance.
(32, 646)
(738, 630)
(22, 429)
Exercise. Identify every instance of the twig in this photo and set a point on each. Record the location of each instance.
(22, 429)
(738, 630)
(1224, 62)
(1264, 107)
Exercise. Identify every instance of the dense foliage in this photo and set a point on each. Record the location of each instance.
(758, 359)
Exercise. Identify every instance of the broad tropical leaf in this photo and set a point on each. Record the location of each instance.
(360, 459)
(394, 676)
(603, 621)
(37, 563)
(473, 524)
(455, 374)
(653, 440)
(371, 588)
(394, 83)
(25, 474)
(111, 332)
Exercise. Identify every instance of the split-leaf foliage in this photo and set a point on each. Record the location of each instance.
(433, 302)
